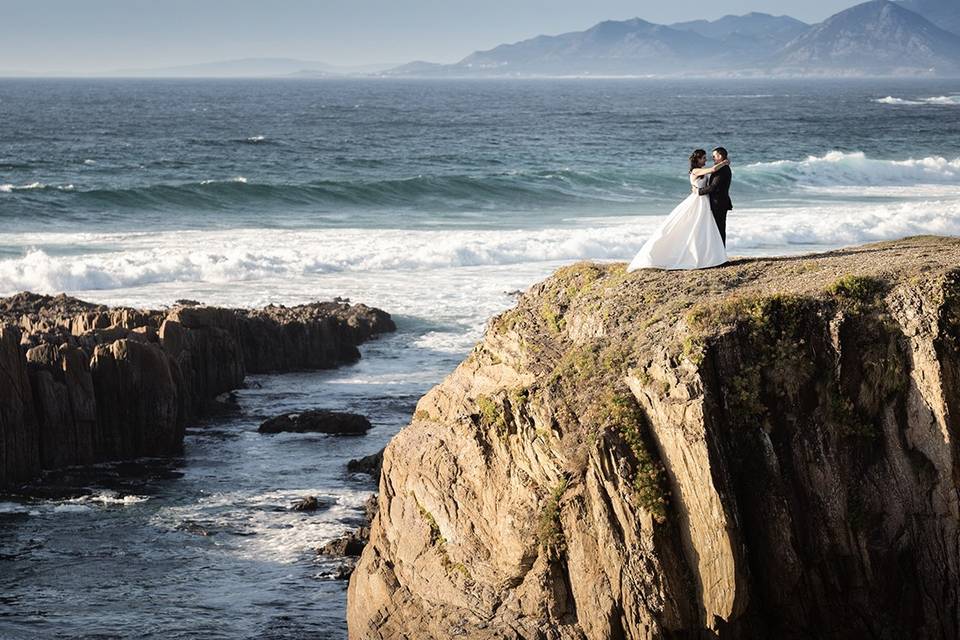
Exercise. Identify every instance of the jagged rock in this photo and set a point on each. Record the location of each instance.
(367, 464)
(318, 421)
(92, 383)
(351, 544)
(344, 570)
(308, 503)
(311, 336)
(762, 450)
(370, 508)
(347, 545)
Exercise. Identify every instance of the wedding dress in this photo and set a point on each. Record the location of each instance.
(687, 239)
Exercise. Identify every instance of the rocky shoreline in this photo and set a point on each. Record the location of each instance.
(763, 450)
(86, 383)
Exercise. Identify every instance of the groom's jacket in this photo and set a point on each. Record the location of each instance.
(718, 188)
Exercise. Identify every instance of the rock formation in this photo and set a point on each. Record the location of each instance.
(318, 421)
(85, 383)
(762, 450)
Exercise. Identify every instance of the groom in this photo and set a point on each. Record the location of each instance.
(718, 188)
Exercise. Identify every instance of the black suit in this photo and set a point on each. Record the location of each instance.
(718, 188)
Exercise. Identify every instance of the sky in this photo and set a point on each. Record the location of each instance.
(76, 36)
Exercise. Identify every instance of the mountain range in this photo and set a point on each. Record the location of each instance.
(880, 38)
(874, 38)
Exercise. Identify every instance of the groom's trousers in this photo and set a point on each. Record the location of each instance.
(721, 218)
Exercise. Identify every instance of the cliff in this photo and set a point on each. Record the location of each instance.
(84, 383)
(762, 450)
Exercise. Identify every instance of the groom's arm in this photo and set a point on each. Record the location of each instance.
(720, 181)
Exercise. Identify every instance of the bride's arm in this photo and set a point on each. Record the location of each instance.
(697, 173)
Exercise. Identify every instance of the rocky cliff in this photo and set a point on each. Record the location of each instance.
(83, 383)
(762, 450)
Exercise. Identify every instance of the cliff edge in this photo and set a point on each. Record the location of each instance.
(765, 449)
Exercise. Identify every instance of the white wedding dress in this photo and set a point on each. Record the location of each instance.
(687, 239)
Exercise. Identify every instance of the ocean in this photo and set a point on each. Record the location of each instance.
(434, 200)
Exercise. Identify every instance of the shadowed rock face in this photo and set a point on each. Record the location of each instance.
(85, 383)
(762, 450)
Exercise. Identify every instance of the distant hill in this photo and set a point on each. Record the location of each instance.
(943, 13)
(629, 47)
(755, 34)
(878, 37)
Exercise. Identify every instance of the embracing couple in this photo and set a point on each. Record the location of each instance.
(694, 235)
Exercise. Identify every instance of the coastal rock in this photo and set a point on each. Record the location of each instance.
(762, 450)
(320, 335)
(307, 503)
(89, 383)
(19, 436)
(347, 545)
(318, 421)
(370, 465)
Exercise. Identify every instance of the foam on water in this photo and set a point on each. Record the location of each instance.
(262, 526)
(933, 100)
(256, 256)
(107, 498)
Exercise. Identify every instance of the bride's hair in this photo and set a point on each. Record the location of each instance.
(695, 157)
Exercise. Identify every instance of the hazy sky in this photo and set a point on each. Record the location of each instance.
(101, 35)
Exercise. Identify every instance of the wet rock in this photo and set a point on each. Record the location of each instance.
(308, 503)
(318, 421)
(350, 544)
(370, 465)
(370, 508)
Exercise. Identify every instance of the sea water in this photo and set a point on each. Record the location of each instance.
(434, 200)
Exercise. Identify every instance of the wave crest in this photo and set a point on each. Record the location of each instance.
(837, 169)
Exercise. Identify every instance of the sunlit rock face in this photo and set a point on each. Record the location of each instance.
(761, 450)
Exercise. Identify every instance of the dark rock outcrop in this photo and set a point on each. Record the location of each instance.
(307, 503)
(347, 545)
(318, 421)
(371, 464)
(350, 545)
(85, 383)
(768, 449)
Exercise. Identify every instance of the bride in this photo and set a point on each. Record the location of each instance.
(689, 237)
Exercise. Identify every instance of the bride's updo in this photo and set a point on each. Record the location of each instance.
(696, 157)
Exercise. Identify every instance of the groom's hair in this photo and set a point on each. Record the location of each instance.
(721, 151)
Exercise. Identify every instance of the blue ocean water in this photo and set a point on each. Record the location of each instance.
(434, 200)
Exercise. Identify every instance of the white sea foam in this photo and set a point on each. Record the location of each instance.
(8, 188)
(247, 265)
(838, 168)
(933, 100)
(239, 179)
(107, 498)
(262, 526)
